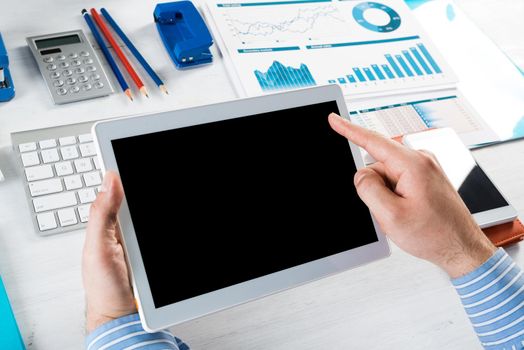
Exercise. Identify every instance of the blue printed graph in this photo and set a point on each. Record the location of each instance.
(280, 77)
(394, 18)
(312, 19)
(412, 62)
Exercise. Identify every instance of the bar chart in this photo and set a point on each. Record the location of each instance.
(280, 77)
(414, 61)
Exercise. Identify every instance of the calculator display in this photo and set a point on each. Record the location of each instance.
(58, 41)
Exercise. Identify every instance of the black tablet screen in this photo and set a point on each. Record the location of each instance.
(221, 203)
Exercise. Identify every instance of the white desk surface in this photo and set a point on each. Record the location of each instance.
(398, 303)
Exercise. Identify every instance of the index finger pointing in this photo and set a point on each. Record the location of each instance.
(392, 154)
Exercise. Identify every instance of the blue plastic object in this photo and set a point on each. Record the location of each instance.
(184, 33)
(7, 88)
(9, 334)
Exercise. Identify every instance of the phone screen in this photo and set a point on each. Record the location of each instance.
(476, 189)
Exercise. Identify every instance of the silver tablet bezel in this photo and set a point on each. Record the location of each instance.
(158, 318)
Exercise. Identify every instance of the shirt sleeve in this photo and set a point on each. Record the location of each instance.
(127, 333)
(493, 297)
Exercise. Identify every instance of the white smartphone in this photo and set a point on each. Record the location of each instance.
(485, 202)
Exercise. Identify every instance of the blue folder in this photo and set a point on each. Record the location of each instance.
(9, 334)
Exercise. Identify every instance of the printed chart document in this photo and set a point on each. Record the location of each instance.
(400, 115)
(372, 50)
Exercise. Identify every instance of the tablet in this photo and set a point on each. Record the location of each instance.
(234, 201)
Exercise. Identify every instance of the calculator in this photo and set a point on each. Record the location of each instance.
(70, 66)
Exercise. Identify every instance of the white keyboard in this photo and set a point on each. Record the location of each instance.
(61, 175)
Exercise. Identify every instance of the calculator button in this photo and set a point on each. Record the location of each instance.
(74, 89)
(73, 55)
(79, 70)
(54, 75)
(48, 59)
(76, 63)
(51, 66)
(88, 61)
(99, 85)
(64, 65)
(60, 57)
(86, 87)
(84, 53)
(67, 73)
(58, 83)
(61, 91)
(71, 81)
(82, 79)
(90, 69)
(95, 76)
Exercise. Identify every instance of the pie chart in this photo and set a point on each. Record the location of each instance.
(376, 17)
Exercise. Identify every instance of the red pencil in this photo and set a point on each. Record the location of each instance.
(119, 52)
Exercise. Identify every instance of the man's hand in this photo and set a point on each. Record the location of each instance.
(415, 204)
(105, 275)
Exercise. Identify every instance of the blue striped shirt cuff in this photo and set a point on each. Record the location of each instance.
(493, 297)
(127, 333)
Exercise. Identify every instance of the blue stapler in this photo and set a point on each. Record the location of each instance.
(184, 33)
(7, 89)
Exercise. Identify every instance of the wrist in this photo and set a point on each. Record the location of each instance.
(95, 319)
(469, 257)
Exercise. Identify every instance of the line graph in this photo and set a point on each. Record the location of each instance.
(313, 21)
(280, 77)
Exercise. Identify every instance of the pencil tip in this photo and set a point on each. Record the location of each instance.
(128, 93)
(143, 90)
(84, 11)
(164, 89)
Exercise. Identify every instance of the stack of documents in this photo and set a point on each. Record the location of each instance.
(392, 75)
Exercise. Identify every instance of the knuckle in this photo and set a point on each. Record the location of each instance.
(93, 208)
(362, 179)
(428, 161)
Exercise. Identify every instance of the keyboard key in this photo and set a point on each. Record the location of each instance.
(87, 149)
(97, 164)
(68, 140)
(82, 165)
(85, 138)
(46, 221)
(43, 187)
(92, 179)
(50, 155)
(72, 182)
(39, 172)
(54, 201)
(30, 158)
(27, 147)
(69, 152)
(67, 217)
(86, 195)
(83, 212)
(63, 168)
(47, 143)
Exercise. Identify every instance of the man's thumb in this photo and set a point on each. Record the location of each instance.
(103, 212)
(374, 192)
